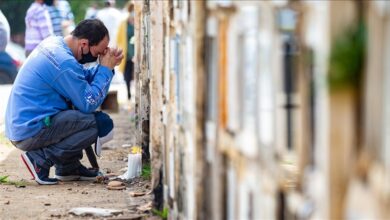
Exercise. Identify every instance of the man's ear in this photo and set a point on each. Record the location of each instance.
(84, 42)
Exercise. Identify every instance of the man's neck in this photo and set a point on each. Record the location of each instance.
(72, 44)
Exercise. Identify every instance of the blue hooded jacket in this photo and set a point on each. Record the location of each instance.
(49, 79)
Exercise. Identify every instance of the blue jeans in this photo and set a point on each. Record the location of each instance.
(61, 144)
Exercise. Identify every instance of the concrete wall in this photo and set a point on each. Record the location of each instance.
(236, 111)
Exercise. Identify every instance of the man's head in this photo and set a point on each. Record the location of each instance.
(92, 38)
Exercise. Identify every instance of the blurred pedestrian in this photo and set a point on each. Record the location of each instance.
(91, 11)
(55, 16)
(67, 16)
(4, 32)
(125, 40)
(38, 25)
(111, 17)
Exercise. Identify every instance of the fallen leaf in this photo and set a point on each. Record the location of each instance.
(123, 169)
(99, 179)
(126, 145)
(108, 170)
(135, 194)
(115, 183)
(116, 187)
(145, 207)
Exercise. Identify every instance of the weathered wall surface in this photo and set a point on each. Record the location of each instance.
(241, 121)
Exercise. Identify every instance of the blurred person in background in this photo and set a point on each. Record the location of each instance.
(51, 109)
(91, 11)
(67, 16)
(8, 66)
(55, 16)
(5, 32)
(111, 17)
(38, 25)
(125, 40)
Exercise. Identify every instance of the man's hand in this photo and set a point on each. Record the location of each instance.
(118, 53)
(111, 58)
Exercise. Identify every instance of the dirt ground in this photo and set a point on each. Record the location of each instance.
(35, 201)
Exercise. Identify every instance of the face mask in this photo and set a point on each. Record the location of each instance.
(87, 58)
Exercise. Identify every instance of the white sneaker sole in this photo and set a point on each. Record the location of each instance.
(67, 178)
(75, 178)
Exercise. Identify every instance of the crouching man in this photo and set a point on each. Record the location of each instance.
(39, 119)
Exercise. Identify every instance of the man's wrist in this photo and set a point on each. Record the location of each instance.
(109, 67)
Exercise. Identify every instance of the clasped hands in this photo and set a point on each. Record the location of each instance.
(111, 57)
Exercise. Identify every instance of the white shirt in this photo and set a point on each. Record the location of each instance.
(111, 17)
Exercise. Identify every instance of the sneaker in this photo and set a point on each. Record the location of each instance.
(81, 173)
(40, 174)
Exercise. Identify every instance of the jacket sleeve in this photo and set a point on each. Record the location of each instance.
(85, 88)
(90, 73)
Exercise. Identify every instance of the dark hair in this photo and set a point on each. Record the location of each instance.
(91, 29)
(48, 2)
